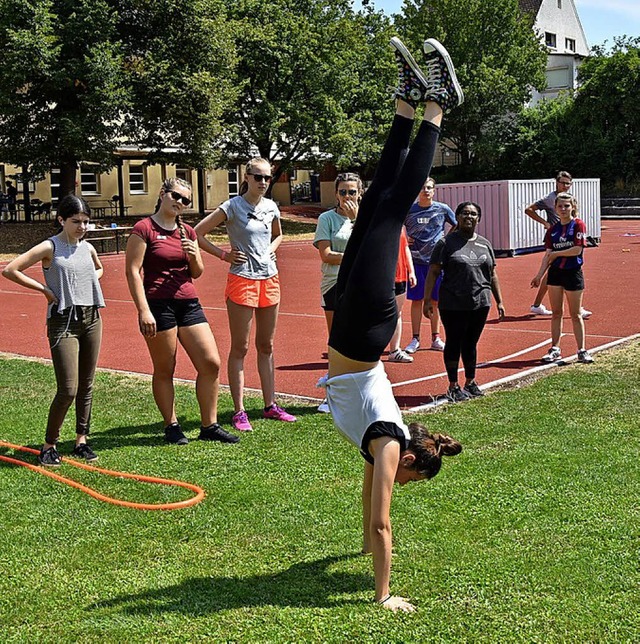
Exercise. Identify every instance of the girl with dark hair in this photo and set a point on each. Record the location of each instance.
(162, 261)
(469, 279)
(71, 272)
(253, 285)
(358, 391)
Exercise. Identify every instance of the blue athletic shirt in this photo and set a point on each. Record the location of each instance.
(425, 226)
(561, 237)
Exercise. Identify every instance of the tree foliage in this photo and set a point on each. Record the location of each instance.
(498, 59)
(312, 76)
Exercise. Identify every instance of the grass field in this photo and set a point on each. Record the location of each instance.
(531, 535)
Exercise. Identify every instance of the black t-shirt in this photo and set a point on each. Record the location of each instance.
(377, 430)
(468, 266)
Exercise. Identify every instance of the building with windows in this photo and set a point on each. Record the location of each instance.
(558, 26)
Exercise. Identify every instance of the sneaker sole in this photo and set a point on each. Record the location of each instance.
(82, 458)
(439, 47)
(41, 464)
(398, 45)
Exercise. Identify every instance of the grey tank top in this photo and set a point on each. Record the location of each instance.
(72, 276)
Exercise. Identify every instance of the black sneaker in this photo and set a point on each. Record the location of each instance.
(84, 451)
(412, 84)
(473, 390)
(216, 433)
(173, 434)
(442, 83)
(455, 394)
(49, 457)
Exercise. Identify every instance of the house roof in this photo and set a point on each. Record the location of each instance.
(530, 6)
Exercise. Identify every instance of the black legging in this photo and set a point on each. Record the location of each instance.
(366, 312)
(463, 330)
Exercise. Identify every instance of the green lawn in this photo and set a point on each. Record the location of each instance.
(531, 535)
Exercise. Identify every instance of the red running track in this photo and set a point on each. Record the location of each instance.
(507, 349)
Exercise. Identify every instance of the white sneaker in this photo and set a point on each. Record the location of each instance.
(413, 346)
(400, 356)
(437, 345)
(585, 356)
(323, 407)
(585, 314)
(553, 355)
(540, 310)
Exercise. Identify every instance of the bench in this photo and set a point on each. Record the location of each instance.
(102, 239)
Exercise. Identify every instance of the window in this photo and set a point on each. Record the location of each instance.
(184, 174)
(55, 185)
(232, 181)
(570, 44)
(137, 178)
(550, 40)
(559, 78)
(89, 181)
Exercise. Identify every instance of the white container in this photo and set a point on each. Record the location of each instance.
(504, 223)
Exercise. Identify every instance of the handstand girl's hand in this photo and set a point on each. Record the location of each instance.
(396, 604)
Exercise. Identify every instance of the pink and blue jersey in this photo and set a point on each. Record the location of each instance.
(561, 237)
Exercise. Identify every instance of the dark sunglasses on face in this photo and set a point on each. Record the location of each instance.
(344, 193)
(176, 196)
(261, 177)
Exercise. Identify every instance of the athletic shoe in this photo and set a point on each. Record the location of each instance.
(413, 346)
(276, 412)
(49, 457)
(240, 421)
(442, 83)
(399, 356)
(473, 390)
(585, 356)
(437, 345)
(540, 310)
(216, 433)
(82, 450)
(323, 407)
(455, 394)
(412, 84)
(173, 434)
(585, 314)
(553, 355)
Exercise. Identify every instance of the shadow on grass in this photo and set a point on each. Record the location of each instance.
(306, 584)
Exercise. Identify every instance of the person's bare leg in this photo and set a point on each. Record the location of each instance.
(266, 319)
(574, 299)
(240, 318)
(162, 349)
(556, 294)
(416, 317)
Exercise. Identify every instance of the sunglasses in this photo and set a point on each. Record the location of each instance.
(344, 193)
(176, 196)
(261, 177)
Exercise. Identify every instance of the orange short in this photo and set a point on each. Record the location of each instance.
(257, 294)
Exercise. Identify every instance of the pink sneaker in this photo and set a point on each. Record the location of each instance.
(240, 421)
(277, 413)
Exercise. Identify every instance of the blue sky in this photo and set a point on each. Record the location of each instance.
(601, 19)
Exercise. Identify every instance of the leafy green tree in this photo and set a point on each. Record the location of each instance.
(498, 59)
(313, 77)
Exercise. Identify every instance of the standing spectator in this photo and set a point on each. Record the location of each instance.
(470, 277)
(71, 272)
(425, 224)
(405, 273)
(332, 234)
(4, 211)
(12, 198)
(564, 181)
(162, 260)
(563, 259)
(253, 285)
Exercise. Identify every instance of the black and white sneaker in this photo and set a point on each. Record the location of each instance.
(216, 433)
(553, 355)
(584, 356)
(442, 82)
(473, 390)
(49, 457)
(82, 450)
(455, 394)
(173, 434)
(412, 83)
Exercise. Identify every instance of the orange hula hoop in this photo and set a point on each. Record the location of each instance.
(194, 500)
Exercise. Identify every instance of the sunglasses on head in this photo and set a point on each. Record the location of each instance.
(261, 177)
(344, 192)
(176, 196)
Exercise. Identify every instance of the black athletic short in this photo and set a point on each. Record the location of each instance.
(171, 313)
(400, 288)
(571, 279)
(329, 299)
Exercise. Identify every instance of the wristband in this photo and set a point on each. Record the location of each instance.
(384, 599)
(224, 255)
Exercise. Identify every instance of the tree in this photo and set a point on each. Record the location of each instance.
(312, 76)
(498, 60)
(80, 77)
